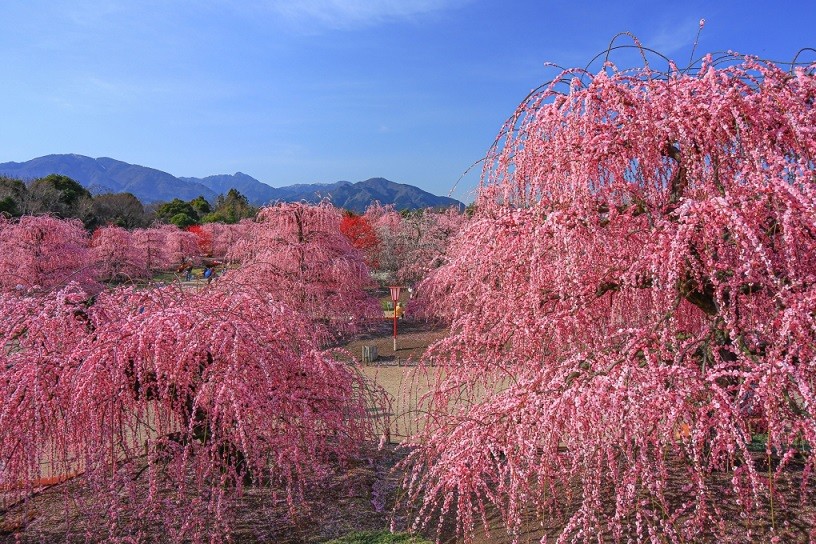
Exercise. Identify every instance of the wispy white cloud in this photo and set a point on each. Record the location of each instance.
(349, 14)
(677, 38)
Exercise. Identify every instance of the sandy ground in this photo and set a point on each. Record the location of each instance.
(396, 372)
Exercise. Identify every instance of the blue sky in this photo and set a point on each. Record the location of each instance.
(324, 90)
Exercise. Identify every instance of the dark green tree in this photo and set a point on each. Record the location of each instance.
(231, 208)
(13, 196)
(178, 213)
(201, 206)
(182, 220)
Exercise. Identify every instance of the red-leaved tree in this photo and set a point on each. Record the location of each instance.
(632, 308)
(203, 238)
(362, 235)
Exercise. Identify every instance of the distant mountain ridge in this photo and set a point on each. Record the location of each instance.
(106, 175)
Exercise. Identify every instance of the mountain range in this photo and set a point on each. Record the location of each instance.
(106, 175)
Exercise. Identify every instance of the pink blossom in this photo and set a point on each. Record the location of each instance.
(634, 295)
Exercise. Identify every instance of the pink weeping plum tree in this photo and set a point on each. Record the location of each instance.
(632, 311)
(219, 238)
(167, 403)
(117, 257)
(150, 243)
(387, 225)
(412, 244)
(38, 253)
(179, 246)
(296, 253)
(426, 235)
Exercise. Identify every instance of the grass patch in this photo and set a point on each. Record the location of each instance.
(379, 537)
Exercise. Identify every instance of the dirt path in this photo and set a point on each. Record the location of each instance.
(413, 337)
(395, 371)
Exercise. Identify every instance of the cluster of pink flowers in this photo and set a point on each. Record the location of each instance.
(166, 402)
(633, 297)
(41, 253)
(411, 245)
(296, 253)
